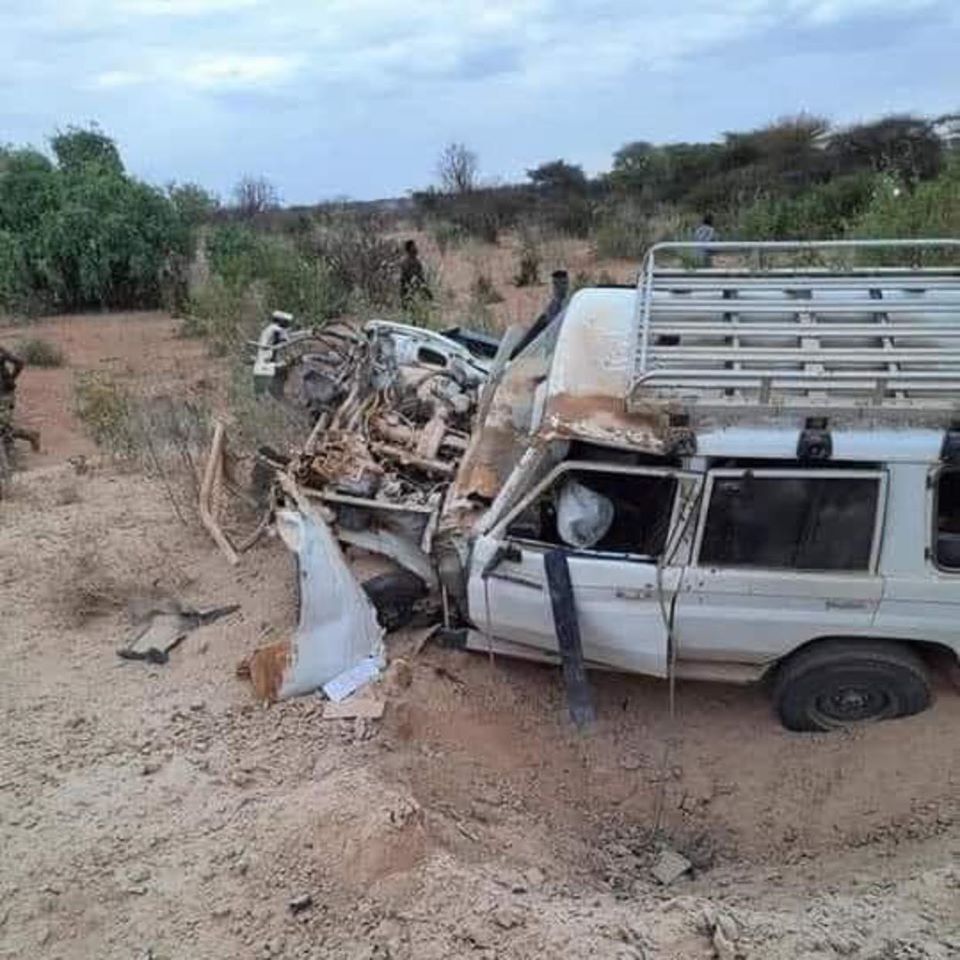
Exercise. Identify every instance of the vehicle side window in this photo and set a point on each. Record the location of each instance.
(948, 519)
(431, 357)
(799, 523)
(634, 519)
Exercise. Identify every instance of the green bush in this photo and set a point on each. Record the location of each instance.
(80, 232)
(822, 212)
(626, 230)
(37, 352)
(932, 209)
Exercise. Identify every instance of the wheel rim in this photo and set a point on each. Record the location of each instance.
(852, 703)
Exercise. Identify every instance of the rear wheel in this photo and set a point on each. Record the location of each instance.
(839, 682)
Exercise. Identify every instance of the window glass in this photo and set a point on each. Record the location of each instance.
(641, 512)
(948, 519)
(803, 523)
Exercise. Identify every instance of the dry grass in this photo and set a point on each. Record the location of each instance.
(37, 352)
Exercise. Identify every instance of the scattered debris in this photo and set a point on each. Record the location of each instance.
(467, 833)
(163, 628)
(212, 480)
(724, 933)
(670, 866)
(301, 903)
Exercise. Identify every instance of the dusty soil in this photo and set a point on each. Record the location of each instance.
(158, 811)
(144, 348)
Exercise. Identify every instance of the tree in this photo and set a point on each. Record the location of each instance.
(79, 150)
(903, 146)
(559, 177)
(632, 165)
(253, 195)
(457, 168)
(82, 233)
(193, 204)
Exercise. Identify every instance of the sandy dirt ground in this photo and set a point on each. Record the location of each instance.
(160, 812)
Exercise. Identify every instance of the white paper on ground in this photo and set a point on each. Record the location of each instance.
(352, 679)
(338, 627)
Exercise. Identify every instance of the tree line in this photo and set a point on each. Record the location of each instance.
(779, 162)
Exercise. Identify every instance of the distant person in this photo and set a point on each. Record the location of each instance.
(413, 282)
(11, 366)
(705, 233)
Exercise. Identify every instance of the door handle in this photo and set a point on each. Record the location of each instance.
(837, 604)
(645, 594)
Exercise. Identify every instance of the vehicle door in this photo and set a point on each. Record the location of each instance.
(619, 583)
(920, 560)
(781, 557)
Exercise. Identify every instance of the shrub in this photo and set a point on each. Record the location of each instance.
(528, 269)
(448, 235)
(483, 291)
(626, 230)
(359, 261)
(259, 273)
(37, 352)
(824, 211)
(932, 209)
(225, 314)
(80, 232)
(108, 245)
(102, 405)
(14, 281)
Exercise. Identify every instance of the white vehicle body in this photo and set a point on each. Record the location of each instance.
(779, 443)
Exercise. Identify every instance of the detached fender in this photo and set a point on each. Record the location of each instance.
(338, 623)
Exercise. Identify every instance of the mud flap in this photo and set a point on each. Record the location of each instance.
(567, 628)
(338, 624)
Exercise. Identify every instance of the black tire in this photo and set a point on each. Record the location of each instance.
(835, 683)
(394, 596)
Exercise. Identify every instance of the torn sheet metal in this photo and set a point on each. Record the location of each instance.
(161, 628)
(338, 625)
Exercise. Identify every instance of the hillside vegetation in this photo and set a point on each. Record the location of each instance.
(77, 231)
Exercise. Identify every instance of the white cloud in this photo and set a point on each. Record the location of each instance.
(112, 79)
(832, 11)
(234, 70)
(182, 8)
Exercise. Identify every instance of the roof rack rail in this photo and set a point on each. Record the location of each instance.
(838, 336)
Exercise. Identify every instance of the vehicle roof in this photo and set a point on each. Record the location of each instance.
(585, 398)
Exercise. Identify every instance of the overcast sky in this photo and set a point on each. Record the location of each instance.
(357, 97)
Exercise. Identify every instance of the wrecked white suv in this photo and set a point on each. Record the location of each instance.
(732, 473)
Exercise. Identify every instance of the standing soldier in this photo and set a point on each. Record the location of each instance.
(10, 368)
(413, 283)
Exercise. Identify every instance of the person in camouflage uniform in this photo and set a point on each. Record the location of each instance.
(10, 368)
(413, 281)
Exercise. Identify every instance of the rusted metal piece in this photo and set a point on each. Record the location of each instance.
(406, 458)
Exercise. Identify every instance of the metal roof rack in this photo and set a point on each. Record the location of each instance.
(847, 336)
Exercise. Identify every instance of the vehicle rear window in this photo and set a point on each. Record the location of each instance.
(800, 523)
(948, 519)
